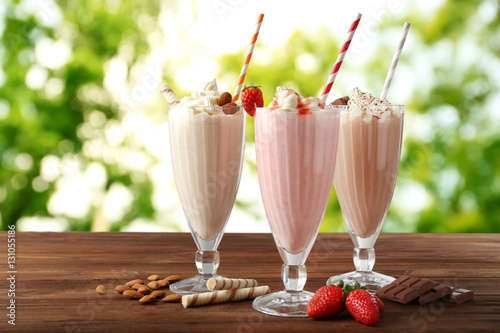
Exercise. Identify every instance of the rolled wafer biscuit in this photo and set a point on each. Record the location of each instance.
(225, 284)
(232, 295)
(169, 94)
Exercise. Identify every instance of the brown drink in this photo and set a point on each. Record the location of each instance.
(367, 166)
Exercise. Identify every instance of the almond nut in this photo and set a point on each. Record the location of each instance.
(137, 286)
(158, 293)
(224, 98)
(131, 283)
(101, 289)
(147, 299)
(230, 108)
(173, 278)
(172, 298)
(132, 294)
(154, 277)
(122, 288)
(163, 283)
(154, 285)
(144, 290)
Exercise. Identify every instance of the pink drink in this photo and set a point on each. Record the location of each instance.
(296, 157)
(368, 162)
(296, 145)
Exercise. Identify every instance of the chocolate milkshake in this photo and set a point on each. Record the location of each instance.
(367, 161)
(368, 156)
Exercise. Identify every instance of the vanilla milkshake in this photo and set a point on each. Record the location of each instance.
(367, 161)
(207, 151)
(207, 138)
(296, 142)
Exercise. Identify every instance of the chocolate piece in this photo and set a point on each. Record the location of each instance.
(405, 289)
(439, 290)
(460, 295)
(340, 101)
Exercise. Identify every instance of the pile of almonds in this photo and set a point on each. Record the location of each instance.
(147, 291)
(225, 101)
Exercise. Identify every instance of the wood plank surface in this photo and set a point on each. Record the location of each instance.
(57, 274)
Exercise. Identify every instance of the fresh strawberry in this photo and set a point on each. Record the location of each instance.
(363, 307)
(251, 98)
(380, 304)
(326, 302)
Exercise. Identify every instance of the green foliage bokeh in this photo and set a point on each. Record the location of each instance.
(457, 164)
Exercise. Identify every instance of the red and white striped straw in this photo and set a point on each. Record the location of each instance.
(394, 63)
(243, 72)
(340, 58)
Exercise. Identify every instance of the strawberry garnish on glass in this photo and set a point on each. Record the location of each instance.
(251, 99)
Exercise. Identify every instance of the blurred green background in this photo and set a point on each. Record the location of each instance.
(83, 129)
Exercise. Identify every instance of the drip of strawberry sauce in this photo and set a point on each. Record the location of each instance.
(302, 107)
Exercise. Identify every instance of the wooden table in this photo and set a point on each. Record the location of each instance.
(57, 274)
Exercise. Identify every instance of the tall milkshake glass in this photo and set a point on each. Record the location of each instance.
(295, 161)
(207, 156)
(368, 157)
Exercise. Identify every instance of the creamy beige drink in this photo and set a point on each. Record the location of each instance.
(207, 138)
(367, 161)
(207, 149)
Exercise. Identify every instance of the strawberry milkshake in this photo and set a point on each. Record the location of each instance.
(296, 146)
(207, 137)
(296, 140)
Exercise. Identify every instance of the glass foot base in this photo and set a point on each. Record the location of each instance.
(371, 280)
(193, 285)
(284, 303)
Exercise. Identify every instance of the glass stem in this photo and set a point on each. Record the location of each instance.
(364, 259)
(294, 277)
(207, 262)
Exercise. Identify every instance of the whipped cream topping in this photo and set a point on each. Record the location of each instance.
(363, 104)
(313, 103)
(209, 86)
(288, 100)
(205, 99)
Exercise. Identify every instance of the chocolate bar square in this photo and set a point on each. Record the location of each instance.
(460, 295)
(405, 289)
(439, 290)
